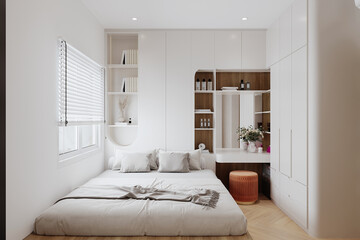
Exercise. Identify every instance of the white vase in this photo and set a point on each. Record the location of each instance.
(252, 147)
(243, 145)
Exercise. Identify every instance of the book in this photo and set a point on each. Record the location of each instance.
(123, 85)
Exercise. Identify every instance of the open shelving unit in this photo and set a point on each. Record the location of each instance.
(228, 109)
(204, 99)
(116, 73)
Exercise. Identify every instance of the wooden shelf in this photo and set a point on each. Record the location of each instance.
(204, 91)
(265, 112)
(124, 126)
(122, 93)
(204, 112)
(203, 129)
(267, 132)
(220, 92)
(122, 66)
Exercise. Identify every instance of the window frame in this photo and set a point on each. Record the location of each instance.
(81, 152)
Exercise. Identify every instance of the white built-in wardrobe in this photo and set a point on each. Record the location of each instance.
(287, 59)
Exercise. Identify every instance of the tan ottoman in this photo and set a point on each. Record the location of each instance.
(243, 186)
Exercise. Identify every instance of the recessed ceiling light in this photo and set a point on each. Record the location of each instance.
(244, 18)
(134, 19)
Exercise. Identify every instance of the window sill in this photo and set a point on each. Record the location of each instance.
(66, 160)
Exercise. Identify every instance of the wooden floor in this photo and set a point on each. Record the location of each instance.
(265, 222)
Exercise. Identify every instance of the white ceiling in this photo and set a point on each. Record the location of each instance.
(186, 14)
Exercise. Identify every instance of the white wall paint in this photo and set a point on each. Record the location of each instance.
(334, 73)
(34, 179)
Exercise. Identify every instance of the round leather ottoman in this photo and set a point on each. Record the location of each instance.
(243, 186)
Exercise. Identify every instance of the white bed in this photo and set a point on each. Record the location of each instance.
(99, 217)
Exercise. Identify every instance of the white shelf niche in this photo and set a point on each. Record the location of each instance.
(121, 135)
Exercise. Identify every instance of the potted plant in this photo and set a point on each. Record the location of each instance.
(250, 135)
(241, 131)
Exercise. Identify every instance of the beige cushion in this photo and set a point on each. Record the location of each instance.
(135, 162)
(195, 159)
(173, 162)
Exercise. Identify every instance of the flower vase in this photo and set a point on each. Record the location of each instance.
(252, 147)
(243, 145)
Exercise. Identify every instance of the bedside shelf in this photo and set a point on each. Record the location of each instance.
(122, 66)
(265, 112)
(124, 126)
(122, 93)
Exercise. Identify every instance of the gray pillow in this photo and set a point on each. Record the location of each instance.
(173, 162)
(135, 162)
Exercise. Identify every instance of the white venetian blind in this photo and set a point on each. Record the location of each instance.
(80, 88)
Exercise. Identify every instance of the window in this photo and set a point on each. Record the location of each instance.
(80, 102)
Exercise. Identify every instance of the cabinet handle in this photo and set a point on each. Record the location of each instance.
(291, 153)
(279, 149)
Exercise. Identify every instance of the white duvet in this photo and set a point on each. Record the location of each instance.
(99, 217)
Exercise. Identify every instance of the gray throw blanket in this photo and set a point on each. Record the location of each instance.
(205, 197)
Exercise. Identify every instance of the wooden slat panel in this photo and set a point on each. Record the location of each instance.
(203, 101)
(206, 137)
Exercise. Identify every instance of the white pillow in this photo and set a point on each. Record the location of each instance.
(173, 162)
(195, 159)
(135, 162)
(120, 154)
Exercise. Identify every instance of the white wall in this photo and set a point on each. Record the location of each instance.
(334, 159)
(34, 179)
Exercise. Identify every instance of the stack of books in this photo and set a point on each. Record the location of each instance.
(229, 88)
(129, 56)
(129, 84)
(203, 110)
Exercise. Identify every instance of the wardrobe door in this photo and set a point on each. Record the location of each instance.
(285, 116)
(151, 90)
(272, 44)
(299, 24)
(179, 92)
(299, 115)
(275, 116)
(285, 34)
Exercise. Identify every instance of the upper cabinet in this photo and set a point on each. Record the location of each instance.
(299, 24)
(272, 44)
(288, 34)
(285, 34)
(228, 49)
(202, 49)
(253, 49)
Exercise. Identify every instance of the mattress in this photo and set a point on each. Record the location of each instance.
(130, 217)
